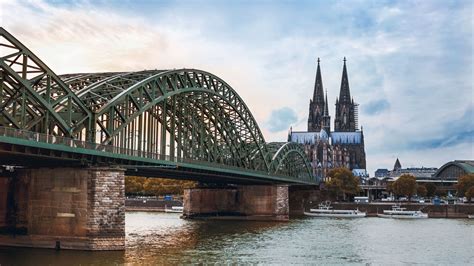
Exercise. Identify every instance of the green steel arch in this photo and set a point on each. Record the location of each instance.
(290, 159)
(181, 114)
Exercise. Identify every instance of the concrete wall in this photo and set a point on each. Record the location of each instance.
(246, 202)
(75, 208)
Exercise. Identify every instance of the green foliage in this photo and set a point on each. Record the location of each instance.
(421, 191)
(342, 183)
(465, 182)
(135, 185)
(430, 189)
(405, 185)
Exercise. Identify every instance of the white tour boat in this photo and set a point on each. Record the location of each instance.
(401, 213)
(470, 216)
(325, 210)
(177, 209)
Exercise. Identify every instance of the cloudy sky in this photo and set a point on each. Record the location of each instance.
(409, 62)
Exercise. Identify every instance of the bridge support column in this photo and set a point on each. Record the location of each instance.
(255, 202)
(301, 198)
(67, 208)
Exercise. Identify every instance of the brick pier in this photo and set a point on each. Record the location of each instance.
(66, 208)
(252, 202)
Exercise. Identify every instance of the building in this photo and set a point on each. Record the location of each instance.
(418, 172)
(381, 173)
(445, 178)
(454, 169)
(326, 149)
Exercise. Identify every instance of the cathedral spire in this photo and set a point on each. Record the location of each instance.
(316, 105)
(345, 120)
(318, 94)
(397, 165)
(326, 119)
(344, 94)
(326, 111)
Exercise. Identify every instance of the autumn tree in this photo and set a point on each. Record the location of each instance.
(469, 194)
(430, 189)
(405, 185)
(134, 185)
(421, 191)
(155, 186)
(342, 183)
(465, 182)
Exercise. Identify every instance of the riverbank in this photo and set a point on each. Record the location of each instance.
(150, 204)
(434, 211)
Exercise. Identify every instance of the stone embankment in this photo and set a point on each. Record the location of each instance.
(434, 211)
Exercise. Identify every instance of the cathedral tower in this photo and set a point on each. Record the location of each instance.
(345, 120)
(326, 119)
(316, 105)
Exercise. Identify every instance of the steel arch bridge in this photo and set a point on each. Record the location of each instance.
(184, 118)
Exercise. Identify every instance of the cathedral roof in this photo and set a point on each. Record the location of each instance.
(304, 137)
(346, 137)
(323, 134)
(307, 137)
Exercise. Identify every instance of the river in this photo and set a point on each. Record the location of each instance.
(163, 238)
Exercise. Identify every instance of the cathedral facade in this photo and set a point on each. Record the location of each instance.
(342, 147)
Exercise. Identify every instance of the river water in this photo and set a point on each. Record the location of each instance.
(163, 238)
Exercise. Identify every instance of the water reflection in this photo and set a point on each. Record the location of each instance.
(163, 238)
(31, 256)
(175, 240)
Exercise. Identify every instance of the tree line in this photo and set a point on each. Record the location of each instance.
(342, 185)
(142, 186)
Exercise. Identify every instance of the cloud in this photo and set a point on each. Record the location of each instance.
(376, 107)
(409, 62)
(280, 119)
(458, 131)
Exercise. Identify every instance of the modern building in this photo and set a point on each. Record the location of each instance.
(445, 178)
(342, 147)
(454, 169)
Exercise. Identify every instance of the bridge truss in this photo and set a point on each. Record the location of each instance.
(171, 115)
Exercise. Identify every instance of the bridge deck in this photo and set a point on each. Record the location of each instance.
(18, 147)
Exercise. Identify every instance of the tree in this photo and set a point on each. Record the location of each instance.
(421, 191)
(342, 182)
(405, 185)
(430, 189)
(465, 182)
(469, 194)
(134, 185)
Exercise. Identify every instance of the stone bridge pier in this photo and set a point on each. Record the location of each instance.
(63, 208)
(246, 202)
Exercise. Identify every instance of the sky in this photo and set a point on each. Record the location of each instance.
(409, 62)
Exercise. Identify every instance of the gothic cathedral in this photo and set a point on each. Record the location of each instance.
(343, 147)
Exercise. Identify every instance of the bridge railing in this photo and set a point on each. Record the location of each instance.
(72, 143)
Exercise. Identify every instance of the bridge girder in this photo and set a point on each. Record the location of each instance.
(185, 114)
